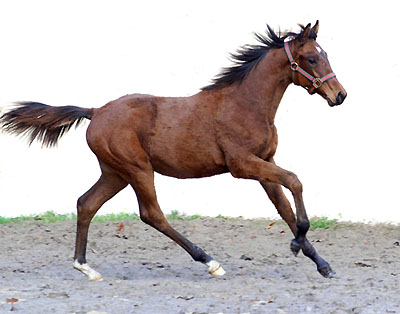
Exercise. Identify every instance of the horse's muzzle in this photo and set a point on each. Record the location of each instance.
(341, 96)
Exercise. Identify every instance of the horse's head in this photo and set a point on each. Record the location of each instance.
(311, 68)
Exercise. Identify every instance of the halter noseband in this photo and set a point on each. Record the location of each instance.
(316, 81)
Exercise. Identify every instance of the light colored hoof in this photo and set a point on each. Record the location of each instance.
(215, 269)
(95, 278)
(88, 271)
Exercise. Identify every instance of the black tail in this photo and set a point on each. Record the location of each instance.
(44, 123)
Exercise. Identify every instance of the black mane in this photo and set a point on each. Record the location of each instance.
(247, 57)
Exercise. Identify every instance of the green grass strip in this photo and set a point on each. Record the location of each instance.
(322, 222)
(51, 216)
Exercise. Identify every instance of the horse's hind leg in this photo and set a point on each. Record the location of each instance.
(282, 204)
(89, 203)
(142, 181)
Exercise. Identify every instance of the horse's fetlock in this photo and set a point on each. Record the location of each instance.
(199, 255)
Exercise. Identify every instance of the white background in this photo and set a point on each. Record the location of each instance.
(86, 53)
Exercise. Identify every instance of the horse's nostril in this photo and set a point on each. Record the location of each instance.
(340, 98)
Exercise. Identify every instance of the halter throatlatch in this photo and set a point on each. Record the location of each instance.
(316, 81)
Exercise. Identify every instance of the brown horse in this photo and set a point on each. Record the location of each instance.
(227, 127)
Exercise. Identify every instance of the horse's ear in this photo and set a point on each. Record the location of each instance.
(316, 28)
(306, 32)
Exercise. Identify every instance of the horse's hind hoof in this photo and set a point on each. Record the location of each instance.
(88, 271)
(215, 269)
(295, 247)
(326, 271)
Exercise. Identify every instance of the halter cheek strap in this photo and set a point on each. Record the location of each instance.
(316, 81)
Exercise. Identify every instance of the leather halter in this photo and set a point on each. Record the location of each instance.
(316, 81)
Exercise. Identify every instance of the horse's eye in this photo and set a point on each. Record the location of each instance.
(312, 61)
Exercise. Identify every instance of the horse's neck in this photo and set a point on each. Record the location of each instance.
(265, 85)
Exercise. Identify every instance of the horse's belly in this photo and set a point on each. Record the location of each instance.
(186, 173)
(190, 161)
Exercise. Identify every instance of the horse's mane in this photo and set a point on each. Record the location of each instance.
(247, 57)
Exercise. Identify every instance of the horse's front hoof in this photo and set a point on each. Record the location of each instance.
(326, 271)
(295, 247)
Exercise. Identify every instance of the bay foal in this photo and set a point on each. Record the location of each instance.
(227, 127)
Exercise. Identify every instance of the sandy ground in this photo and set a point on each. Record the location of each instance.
(144, 272)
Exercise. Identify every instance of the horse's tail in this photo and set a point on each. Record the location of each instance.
(47, 124)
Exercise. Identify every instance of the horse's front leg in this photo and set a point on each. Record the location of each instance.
(269, 175)
(282, 204)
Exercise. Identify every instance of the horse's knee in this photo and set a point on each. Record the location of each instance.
(294, 184)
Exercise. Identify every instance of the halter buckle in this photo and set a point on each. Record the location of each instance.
(317, 82)
(294, 66)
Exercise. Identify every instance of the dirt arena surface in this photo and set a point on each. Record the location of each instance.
(145, 272)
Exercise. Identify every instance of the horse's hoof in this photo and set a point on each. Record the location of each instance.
(96, 278)
(295, 247)
(326, 271)
(88, 271)
(218, 272)
(215, 269)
